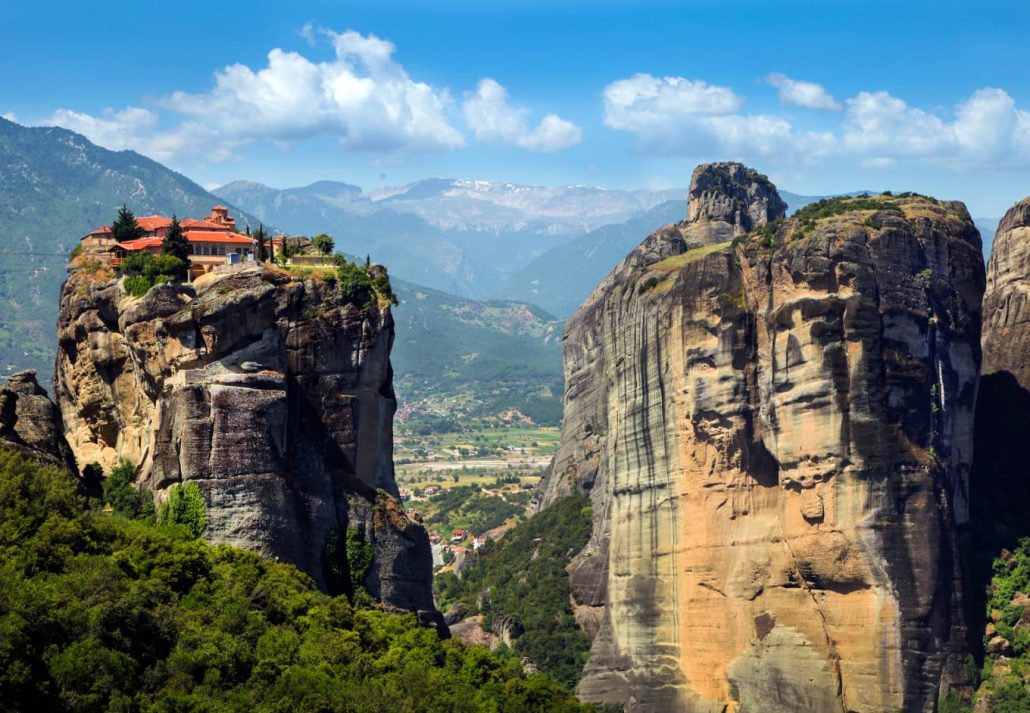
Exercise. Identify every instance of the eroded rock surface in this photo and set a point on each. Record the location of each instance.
(274, 395)
(776, 433)
(31, 423)
(1006, 327)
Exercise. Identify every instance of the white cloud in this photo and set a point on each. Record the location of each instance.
(131, 128)
(491, 118)
(806, 94)
(9, 115)
(692, 117)
(643, 100)
(674, 115)
(987, 129)
(361, 96)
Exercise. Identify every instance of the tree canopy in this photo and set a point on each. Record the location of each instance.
(125, 227)
(102, 613)
(323, 243)
(176, 245)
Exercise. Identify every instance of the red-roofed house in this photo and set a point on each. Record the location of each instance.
(213, 240)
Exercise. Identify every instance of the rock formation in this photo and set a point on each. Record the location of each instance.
(273, 394)
(773, 418)
(31, 423)
(1001, 476)
(1006, 309)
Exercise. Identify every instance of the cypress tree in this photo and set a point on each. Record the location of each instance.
(261, 237)
(125, 227)
(175, 244)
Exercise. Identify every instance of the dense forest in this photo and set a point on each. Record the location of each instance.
(103, 612)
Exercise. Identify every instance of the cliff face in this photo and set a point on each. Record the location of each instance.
(776, 435)
(1001, 476)
(1006, 328)
(274, 395)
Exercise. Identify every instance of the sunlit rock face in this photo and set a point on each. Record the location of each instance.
(776, 432)
(273, 394)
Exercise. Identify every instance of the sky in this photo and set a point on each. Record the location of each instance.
(824, 97)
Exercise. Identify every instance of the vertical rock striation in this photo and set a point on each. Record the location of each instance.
(1001, 477)
(773, 418)
(1006, 323)
(273, 394)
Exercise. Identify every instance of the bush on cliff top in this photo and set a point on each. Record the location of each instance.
(102, 613)
(143, 271)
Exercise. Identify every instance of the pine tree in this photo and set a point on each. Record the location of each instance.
(175, 244)
(261, 236)
(125, 227)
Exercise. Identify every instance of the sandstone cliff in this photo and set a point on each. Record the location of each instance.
(271, 393)
(775, 430)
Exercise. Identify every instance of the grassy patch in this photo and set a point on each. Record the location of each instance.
(690, 256)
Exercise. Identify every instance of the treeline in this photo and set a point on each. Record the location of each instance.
(100, 612)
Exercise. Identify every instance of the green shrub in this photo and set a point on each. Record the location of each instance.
(829, 207)
(123, 497)
(360, 555)
(138, 286)
(76, 251)
(185, 507)
(354, 281)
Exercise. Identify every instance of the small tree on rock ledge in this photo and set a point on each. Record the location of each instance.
(175, 244)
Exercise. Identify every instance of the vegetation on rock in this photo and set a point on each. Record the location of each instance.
(143, 270)
(102, 613)
(185, 507)
(523, 578)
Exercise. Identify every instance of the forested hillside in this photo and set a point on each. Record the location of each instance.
(100, 612)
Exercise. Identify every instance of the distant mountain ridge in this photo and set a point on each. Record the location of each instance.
(482, 206)
(55, 186)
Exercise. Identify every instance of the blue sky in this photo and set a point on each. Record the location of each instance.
(822, 96)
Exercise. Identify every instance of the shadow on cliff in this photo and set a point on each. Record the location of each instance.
(1000, 489)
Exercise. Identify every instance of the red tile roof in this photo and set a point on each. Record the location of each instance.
(203, 225)
(140, 244)
(153, 222)
(211, 236)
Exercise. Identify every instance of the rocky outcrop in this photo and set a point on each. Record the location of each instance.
(271, 393)
(1001, 476)
(1006, 322)
(31, 423)
(775, 431)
